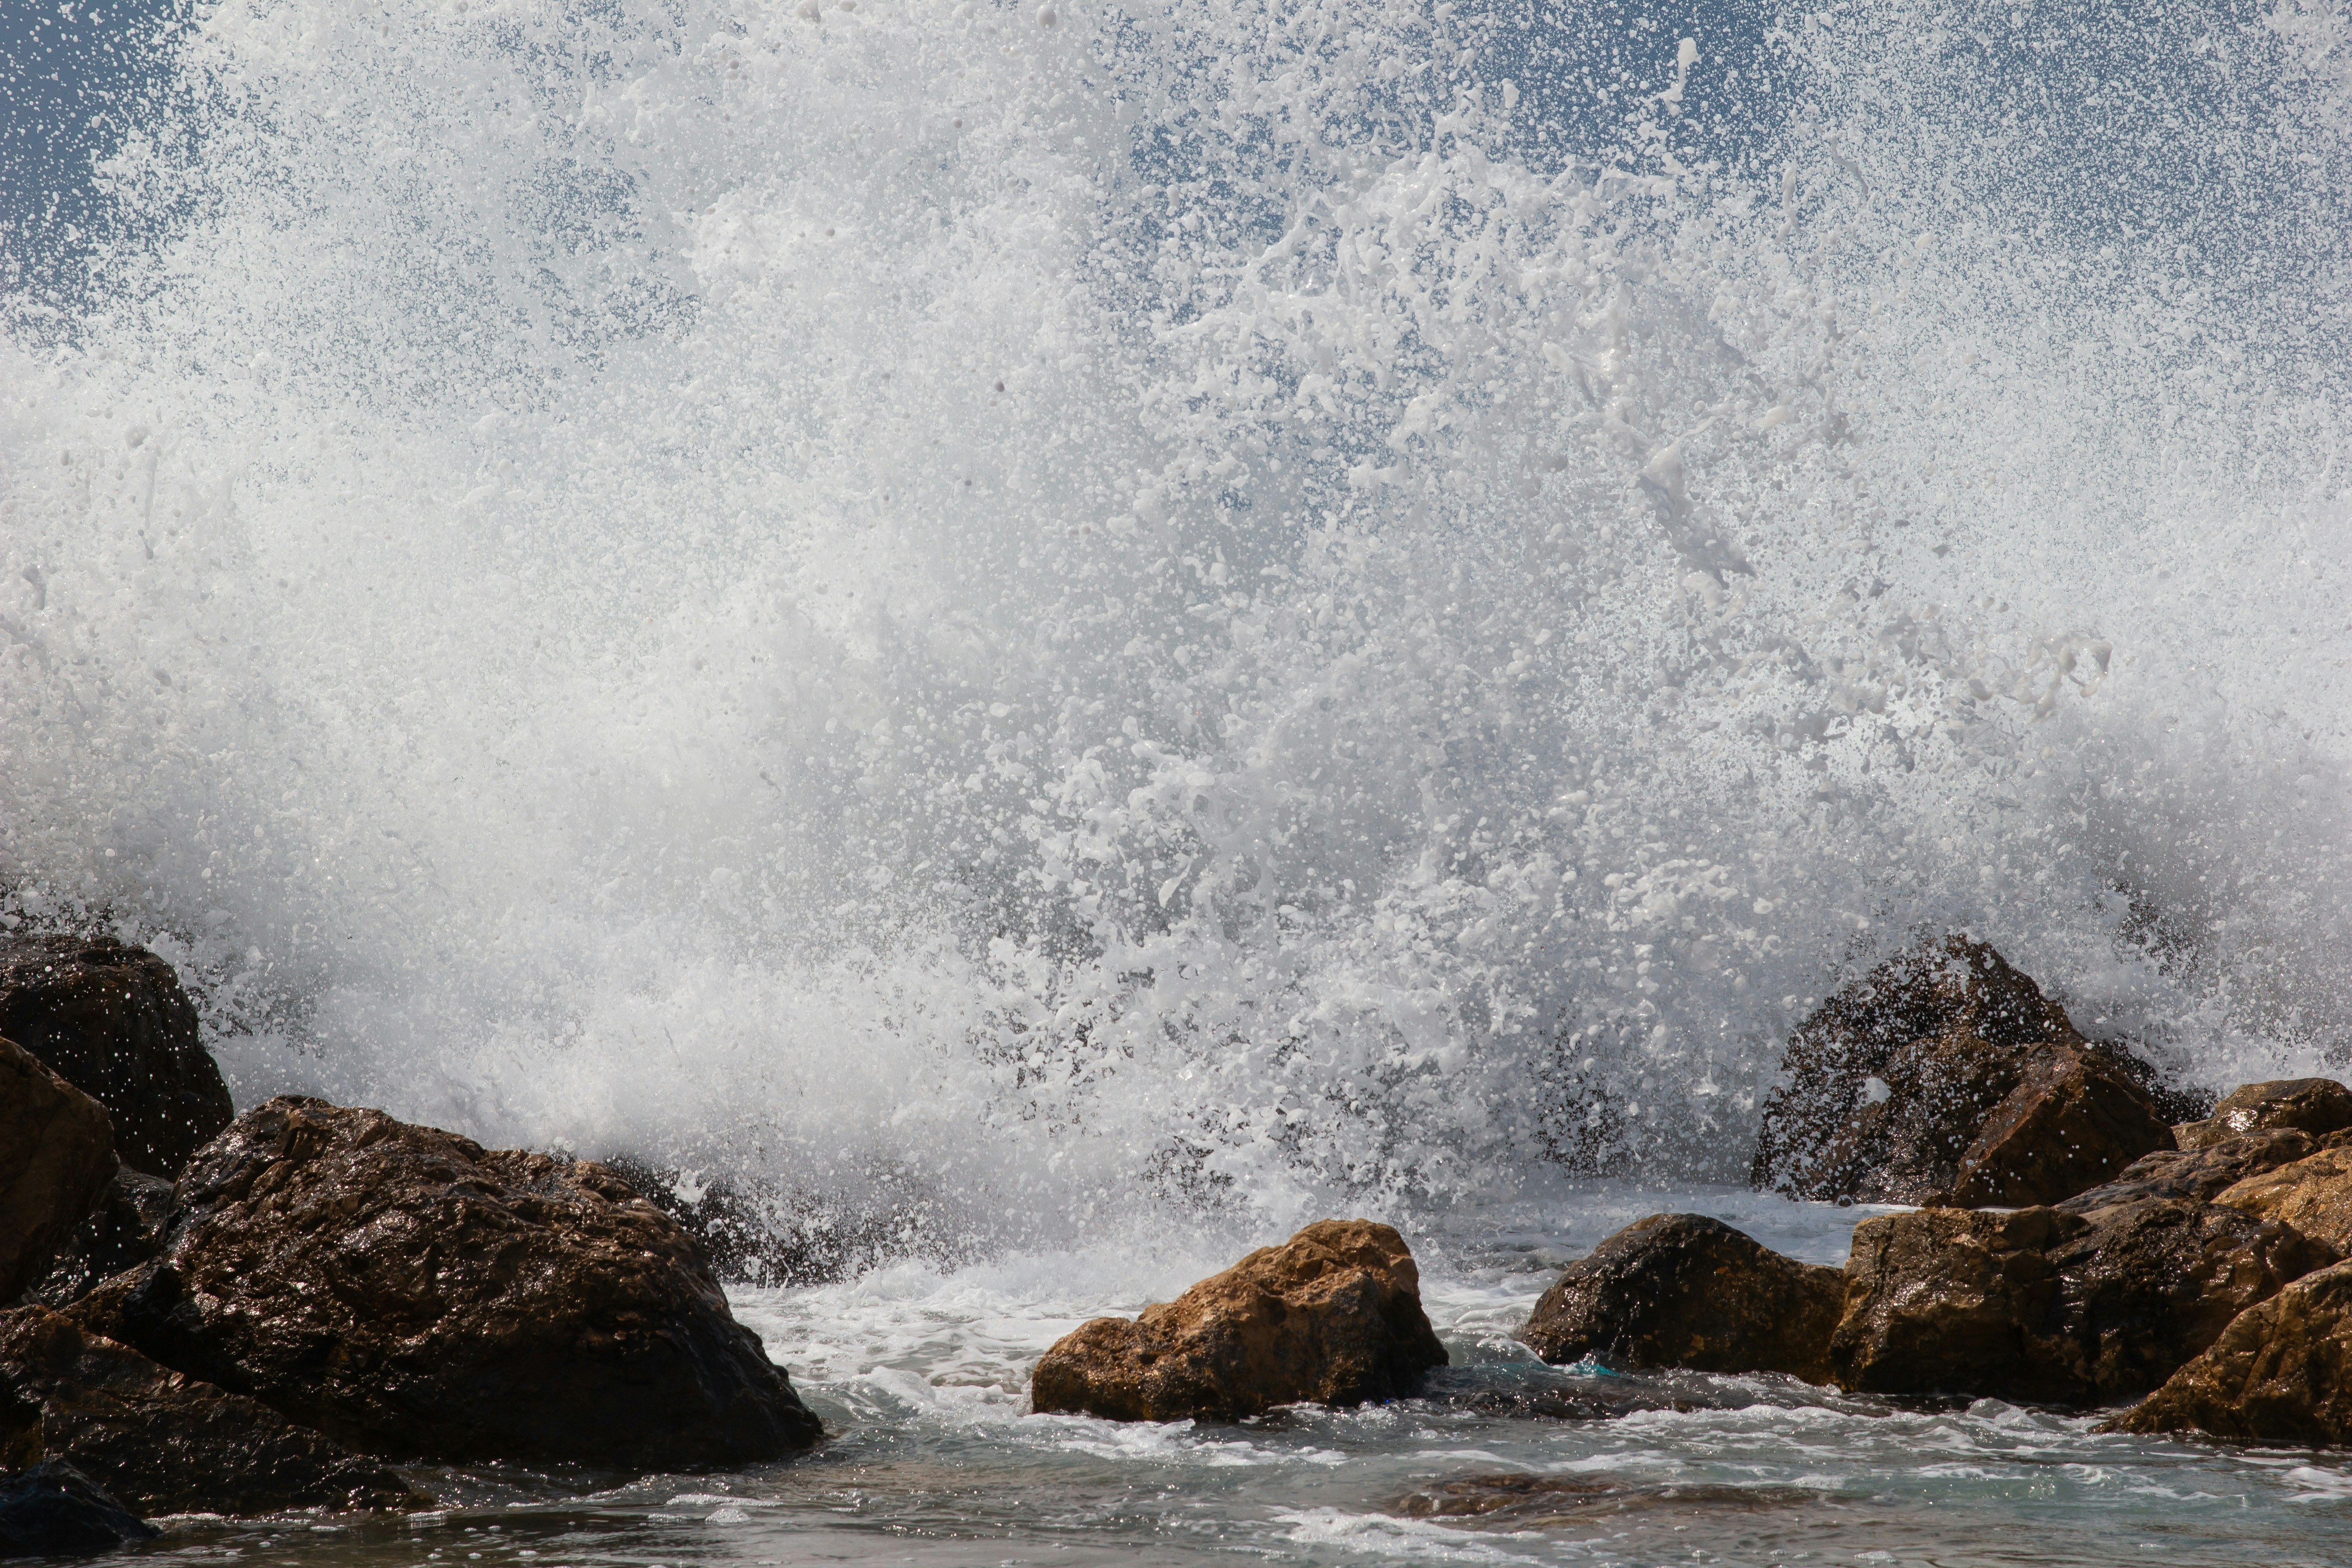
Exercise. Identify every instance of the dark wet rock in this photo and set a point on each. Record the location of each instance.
(2279, 1373)
(2196, 1174)
(760, 1238)
(409, 1292)
(2047, 1306)
(1332, 1316)
(1945, 1075)
(56, 1154)
(2317, 1106)
(2314, 1194)
(1685, 1291)
(125, 1230)
(166, 1443)
(112, 1020)
(55, 1511)
(2172, 1102)
(1532, 1502)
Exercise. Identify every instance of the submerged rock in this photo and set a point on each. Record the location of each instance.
(112, 1020)
(1945, 1075)
(2045, 1305)
(409, 1292)
(55, 1511)
(125, 1230)
(1333, 1316)
(1689, 1291)
(2316, 1106)
(56, 1154)
(166, 1443)
(2314, 1194)
(2281, 1373)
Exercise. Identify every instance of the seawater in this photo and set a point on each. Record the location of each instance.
(1053, 637)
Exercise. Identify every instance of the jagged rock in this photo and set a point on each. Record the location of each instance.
(2314, 1194)
(2317, 1106)
(763, 1237)
(55, 1511)
(1333, 1315)
(2044, 1305)
(2196, 1174)
(166, 1443)
(56, 1154)
(112, 1020)
(1682, 1289)
(1945, 1076)
(408, 1292)
(123, 1231)
(2281, 1373)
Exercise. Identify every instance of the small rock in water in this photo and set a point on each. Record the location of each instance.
(55, 1511)
(409, 1292)
(1945, 1075)
(2281, 1373)
(1533, 1500)
(1688, 1291)
(56, 1154)
(2317, 1106)
(2050, 1305)
(1333, 1316)
(112, 1020)
(167, 1443)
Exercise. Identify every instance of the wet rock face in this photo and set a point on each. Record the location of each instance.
(1689, 1291)
(409, 1292)
(1945, 1076)
(2198, 1175)
(2316, 1106)
(165, 1443)
(2051, 1306)
(2281, 1373)
(55, 1511)
(125, 1230)
(56, 1154)
(112, 1021)
(2314, 1194)
(1333, 1316)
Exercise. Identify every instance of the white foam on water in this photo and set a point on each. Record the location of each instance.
(1190, 616)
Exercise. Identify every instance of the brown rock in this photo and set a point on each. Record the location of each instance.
(2196, 1174)
(1333, 1315)
(2317, 1106)
(1682, 1289)
(112, 1021)
(2281, 1373)
(407, 1291)
(2314, 1194)
(56, 1153)
(125, 1230)
(165, 1443)
(2044, 1305)
(1944, 1074)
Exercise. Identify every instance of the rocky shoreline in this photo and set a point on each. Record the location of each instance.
(247, 1314)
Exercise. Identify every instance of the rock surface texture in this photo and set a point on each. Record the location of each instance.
(112, 1020)
(2198, 1175)
(56, 1154)
(55, 1511)
(2314, 1194)
(123, 1231)
(408, 1292)
(2316, 1106)
(163, 1442)
(1689, 1291)
(1332, 1315)
(1945, 1076)
(2281, 1373)
(2047, 1305)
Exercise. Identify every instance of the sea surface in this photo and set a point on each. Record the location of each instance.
(1049, 638)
